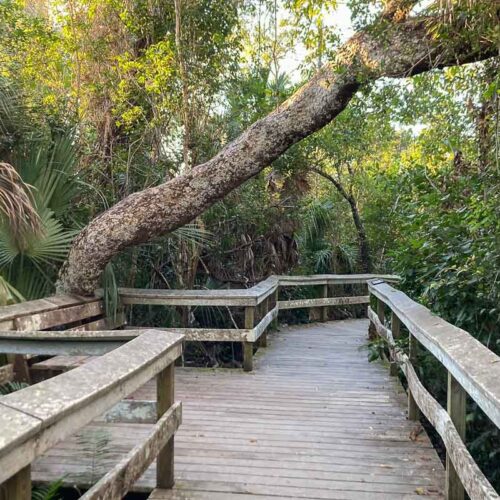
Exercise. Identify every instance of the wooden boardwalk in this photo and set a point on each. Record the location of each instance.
(313, 420)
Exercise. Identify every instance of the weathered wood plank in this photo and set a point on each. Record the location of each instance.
(460, 353)
(117, 482)
(328, 301)
(457, 399)
(6, 373)
(469, 474)
(131, 411)
(247, 345)
(334, 279)
(254, 335)
(336, 429)
(59, 406)
(18, 487)
(40, 306)
(106, 323)
(59, 317)
(165, 388)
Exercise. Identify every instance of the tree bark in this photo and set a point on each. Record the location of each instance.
(363, 244)
(394, 49)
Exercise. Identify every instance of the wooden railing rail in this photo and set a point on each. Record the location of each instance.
(260, 302)
(34, 419)
(472, 370)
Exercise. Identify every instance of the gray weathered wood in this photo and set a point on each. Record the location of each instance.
(329, 301)
(18, 487)
(41, 305)
(324, 310)
(413, 411)
(396, 332)
(39, 416)
(132, 411)
(117, 482)
(165, 388)
(6, 373)
(457, 399)
(247, 346)
(262, 325)
(335, 429)
(460, 353)
(59, 317)
(469, 474)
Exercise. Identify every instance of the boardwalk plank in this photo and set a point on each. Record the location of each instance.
(313, 420)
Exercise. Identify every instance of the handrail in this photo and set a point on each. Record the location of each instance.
(472, 369)
(238, 296)
(260, 302)
(34, 419)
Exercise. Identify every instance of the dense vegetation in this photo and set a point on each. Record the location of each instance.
(99, 99)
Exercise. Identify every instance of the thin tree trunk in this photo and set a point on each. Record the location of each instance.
(186, 101)
(363, 245)
(396, 49)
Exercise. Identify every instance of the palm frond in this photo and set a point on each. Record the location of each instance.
(318, 219)
(50, 245)
(49, 167)
(193, 234)
(16, 203)
(8, 293)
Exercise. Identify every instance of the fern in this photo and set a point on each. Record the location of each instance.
(51, 491)
(10, 387)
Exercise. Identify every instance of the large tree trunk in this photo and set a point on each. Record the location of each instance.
(396, 49)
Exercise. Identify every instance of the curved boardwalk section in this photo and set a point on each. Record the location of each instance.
(313, 420)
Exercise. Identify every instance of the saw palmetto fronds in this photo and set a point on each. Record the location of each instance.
(16, 203)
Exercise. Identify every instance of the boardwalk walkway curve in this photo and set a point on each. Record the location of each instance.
(309, 417)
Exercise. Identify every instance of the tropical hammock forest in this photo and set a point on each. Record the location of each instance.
(194, 166)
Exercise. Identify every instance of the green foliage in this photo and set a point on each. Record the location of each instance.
(50, 492)
(99, 99)
(10, 387)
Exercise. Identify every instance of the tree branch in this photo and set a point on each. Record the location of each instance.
(393, 49)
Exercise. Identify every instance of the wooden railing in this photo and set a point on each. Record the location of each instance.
(473, 370)
(34, 419)
(260, 302)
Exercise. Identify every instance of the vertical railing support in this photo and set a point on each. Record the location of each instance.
(248, 346)
(17, 487)
(381, 311)
(275, 304)
(457, 399)
(372, 333)
(396, 331)
(263, 337)
(413, 411)
(324, 309)
(165, 399)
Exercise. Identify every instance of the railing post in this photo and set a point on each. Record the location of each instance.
(372, 333)
(396, 331)
(248, 346)
(165, 399)
(324, 309)
(17, 487)
(413, 411)
(457, 399)
(263, 337)
(381, 311)
(275, 301)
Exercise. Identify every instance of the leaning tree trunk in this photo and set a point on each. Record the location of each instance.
(363, 245)
(399, 47)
